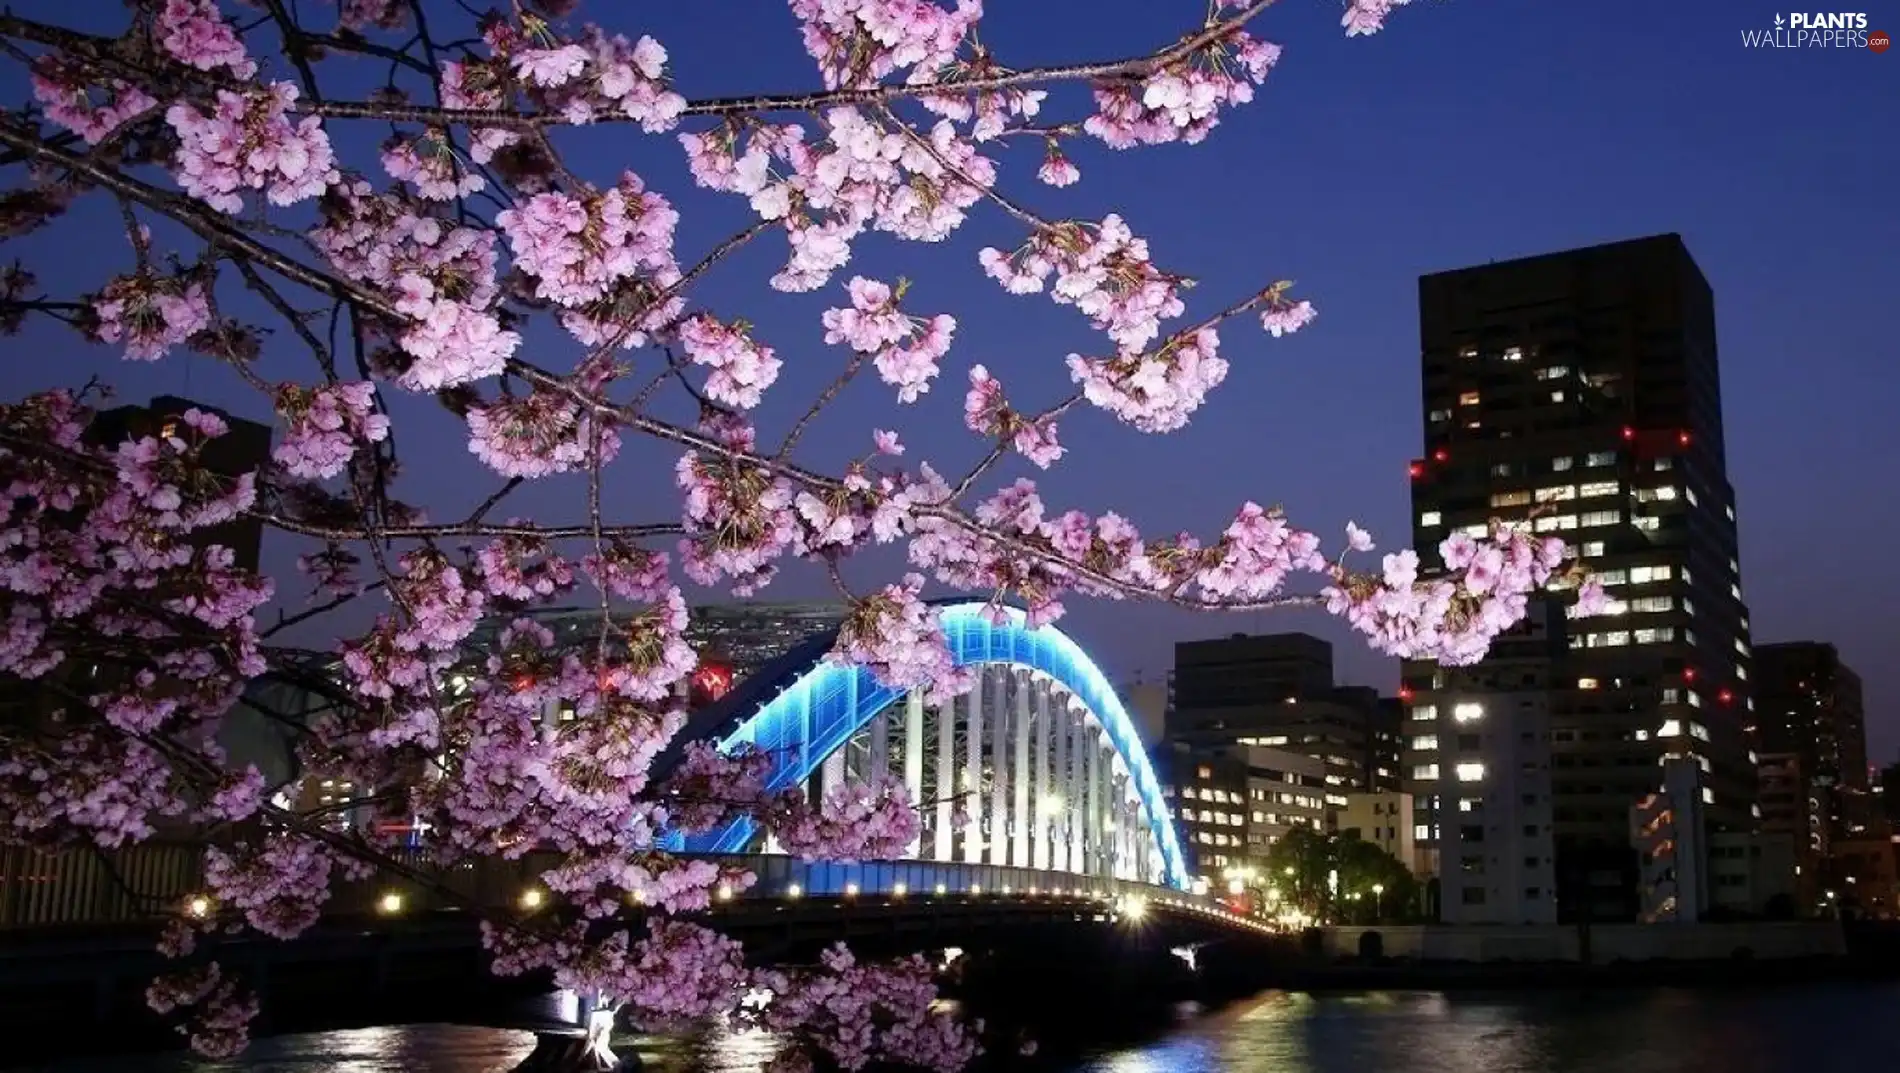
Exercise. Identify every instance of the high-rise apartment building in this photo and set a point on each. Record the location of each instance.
(1576, 394)
(1811, 706)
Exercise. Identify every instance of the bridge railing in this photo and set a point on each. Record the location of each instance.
(90, 888)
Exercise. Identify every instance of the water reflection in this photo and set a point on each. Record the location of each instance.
(1838, 1029)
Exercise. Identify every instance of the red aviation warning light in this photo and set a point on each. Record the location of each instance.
(1629, 433)
(1441, 456)
(1416, 469)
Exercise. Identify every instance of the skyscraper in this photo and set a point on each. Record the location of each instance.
(1811, 706)
(1577, 393)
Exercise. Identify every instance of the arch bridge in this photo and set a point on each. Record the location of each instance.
(1040, 757)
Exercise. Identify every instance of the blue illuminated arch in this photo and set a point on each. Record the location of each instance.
(817, 712)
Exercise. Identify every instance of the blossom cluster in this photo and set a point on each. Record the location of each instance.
(249, 142)
(431, 269)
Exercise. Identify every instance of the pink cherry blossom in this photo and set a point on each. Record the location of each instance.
(326, 425)
(194, 33)
(516, 683)
(249, 142)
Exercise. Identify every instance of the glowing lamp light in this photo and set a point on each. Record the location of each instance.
(850, 890)
(389, 904)
(712, 681)
(724, 893)
(941, 889)
(531, 899)
(198, 906)
(976, 888)
(794, 891)
(898, 890)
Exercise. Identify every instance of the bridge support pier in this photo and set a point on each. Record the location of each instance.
(586, 1048)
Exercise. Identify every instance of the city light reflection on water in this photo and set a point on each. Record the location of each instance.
(1815, 1029)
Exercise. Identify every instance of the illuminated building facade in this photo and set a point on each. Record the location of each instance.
(1577, 394)
(1276, 691)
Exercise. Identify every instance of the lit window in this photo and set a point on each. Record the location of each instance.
(1663, 493)
(1467, 713)
(1441, 415)
(1689, 494)
(1708, 795)
(1478, 529)
(1430, 518)
(1731, 513)
(1551, 523)
(1642, 735)
(1649, 605)
(1469, 398)
(1592, 548)
(1425, 743)
(1468, 352)
(1424, 713)
(1554, 372)
(1501, 469)
(1740, 646)
(1587, 683)
(1601, 517)
(1647, 525)
(1511, 499)
(1558, 465)
(1600, 458)
(1514, 353)
(1556, 493)
(1671, 728)
(1599, 488)
(1204, 773)
(1642, 575)
(1741, 672)
(1473, 772)
(1425, 772)
(1422, 832)
(1556, 396)
(1697, 730)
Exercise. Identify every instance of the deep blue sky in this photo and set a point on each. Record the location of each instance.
(1471, 130)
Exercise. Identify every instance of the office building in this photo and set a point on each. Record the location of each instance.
(1810, 706)
(1667, 829)
(1383, 818)
(1576, 394)
(1796, 809)
(1276, 691)
(1207, 792)
(1479, 757)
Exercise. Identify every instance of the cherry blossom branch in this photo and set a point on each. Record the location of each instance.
(1129, 67)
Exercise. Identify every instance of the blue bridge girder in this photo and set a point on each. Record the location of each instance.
(804, 708)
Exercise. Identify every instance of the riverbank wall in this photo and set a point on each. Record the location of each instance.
(1596, 944)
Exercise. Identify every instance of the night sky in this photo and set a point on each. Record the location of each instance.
(1471, 130)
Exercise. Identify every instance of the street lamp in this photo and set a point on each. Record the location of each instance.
(1378, 901)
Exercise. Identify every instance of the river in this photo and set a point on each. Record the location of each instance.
(1815, 1029)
